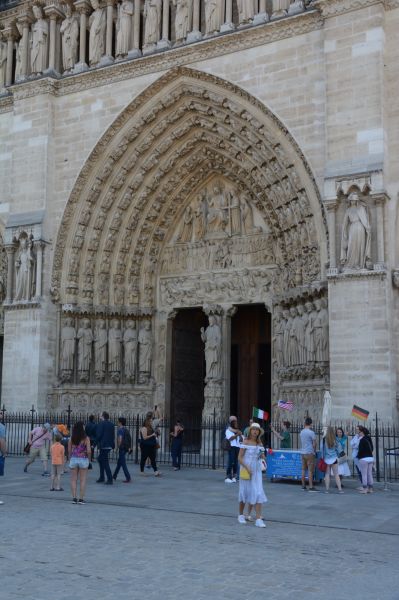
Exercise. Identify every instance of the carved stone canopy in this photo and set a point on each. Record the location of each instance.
(138, 180)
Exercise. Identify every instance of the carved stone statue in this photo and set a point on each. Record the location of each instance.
(278, 339)
(183, 18)
(152, 15)
(25, 269)
(286, 335)
(124, 28)
(293, 346)
(115, 350)
(321, 331)
(356, 237)
(145, 352)
(130, 347)
(187, 226)
(70, 34)
(98, 25)
(395, 278)
(18, 53)
(301, 322)
(100, 350)
(213, 16)
(39, 50)
(200, 218)
(216, 217)
(85, 341)
(309, 332)
(212, 337)
(246, 11)
(67, 354)
(3, 63)
(247, 215)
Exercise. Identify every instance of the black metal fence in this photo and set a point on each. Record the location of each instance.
(202, 438)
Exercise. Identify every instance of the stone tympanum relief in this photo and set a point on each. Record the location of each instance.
(25, 264)
(97, 24)
(356, 235)
(70, 36)
(183, 19)
(39, 51)
(124, 28)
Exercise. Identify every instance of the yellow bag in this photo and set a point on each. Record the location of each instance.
(244, 474)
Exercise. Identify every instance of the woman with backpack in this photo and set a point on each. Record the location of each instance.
(148, 445)
(331, 449)
(124, 443)
(366, 460)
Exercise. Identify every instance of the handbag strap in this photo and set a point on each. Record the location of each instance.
(38, 438)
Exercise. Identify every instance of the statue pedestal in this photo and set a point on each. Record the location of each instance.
(80, 67)
(213, 407)
(261, 18)
(194, 36)
(227, 27)
(135, 53)
(296, 7)
(164, 45)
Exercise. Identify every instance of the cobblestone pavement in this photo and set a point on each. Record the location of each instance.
(178, 537)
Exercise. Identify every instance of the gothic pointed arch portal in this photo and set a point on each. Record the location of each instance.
(196, 195)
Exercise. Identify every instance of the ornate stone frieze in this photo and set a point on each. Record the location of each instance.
(330, 8)
(95, 400)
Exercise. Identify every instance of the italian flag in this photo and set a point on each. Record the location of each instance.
(257, 413)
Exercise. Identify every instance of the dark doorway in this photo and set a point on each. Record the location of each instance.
(188, 371)
(250, 361)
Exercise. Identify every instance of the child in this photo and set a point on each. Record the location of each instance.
(57, 463)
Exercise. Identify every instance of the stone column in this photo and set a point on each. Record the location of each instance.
(135, 51)
(280, 9)
(54, 14)
(331, 210)
(379, 205)
(108, 58)
(228, 24)
(10, 34)
(164, 42)
(25, 21)
(195, 35)
(84, 9)
(261, 16)
(10, 250)
(39, 247)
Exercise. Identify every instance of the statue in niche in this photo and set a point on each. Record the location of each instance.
(212, 338)
(115, 350)
(246, 11)
(321, 331)
(216, 217)
(235, 213)
(18, 54)
(25, 270)
(356, 235)
(301, 321)
(145, 352)
(278, 339)
(39, 48)
(293, 347)
(85, 341)
(68, 336)
(309, 332)
(187, 227)
(200, 213)
(124, 27)
(130, 346)
(152, 16)
(213, 16)
(395, 278)
(100, 350)
(183, 19)
(286, 336)
(97, 25)
(69, 34)
(247, 215)
(3, 62)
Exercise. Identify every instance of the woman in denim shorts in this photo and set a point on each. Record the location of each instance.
(79, 452)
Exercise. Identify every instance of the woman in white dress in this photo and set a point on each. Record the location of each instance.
(251, 459)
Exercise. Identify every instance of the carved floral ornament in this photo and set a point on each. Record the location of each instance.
(155, 157)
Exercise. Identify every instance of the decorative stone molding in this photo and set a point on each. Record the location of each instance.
(331, 8)
(224, 130)
(81, 400)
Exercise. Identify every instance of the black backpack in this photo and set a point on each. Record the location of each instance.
(126, 440)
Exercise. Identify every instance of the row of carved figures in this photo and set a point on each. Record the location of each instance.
(301, 336)
(117, 30)
(105, 349)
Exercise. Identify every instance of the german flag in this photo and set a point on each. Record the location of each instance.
(360, 413)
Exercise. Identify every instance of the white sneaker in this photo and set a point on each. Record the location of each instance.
(241, 519)
(259, 523)
(228, 480)
(234, 480)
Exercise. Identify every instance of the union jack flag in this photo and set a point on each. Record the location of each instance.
(286, 405)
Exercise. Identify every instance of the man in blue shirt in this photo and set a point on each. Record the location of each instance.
(105, 439)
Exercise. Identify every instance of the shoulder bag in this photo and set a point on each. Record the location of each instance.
(29, 444)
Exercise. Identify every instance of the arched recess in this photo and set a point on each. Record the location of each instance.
(135, 186)
(185, 133)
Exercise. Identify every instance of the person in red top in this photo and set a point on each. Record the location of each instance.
(57, 463)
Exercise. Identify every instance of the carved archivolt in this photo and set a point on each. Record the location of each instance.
(143, 174)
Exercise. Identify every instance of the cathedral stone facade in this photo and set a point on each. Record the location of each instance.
(199, 205)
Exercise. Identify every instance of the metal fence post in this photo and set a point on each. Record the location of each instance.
(69, 417)
(32, 411)
(377, 446)
(136, 446)
(214, 440)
